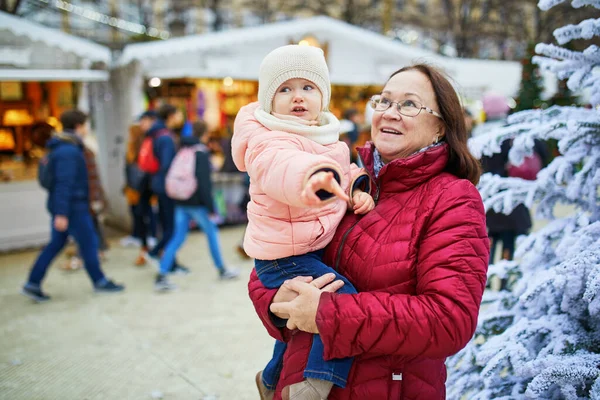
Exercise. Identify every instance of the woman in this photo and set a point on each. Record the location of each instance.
(418, 260)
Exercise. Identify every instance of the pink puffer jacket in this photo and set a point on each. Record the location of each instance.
(279, 164)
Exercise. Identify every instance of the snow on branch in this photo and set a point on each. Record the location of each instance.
(584, 30)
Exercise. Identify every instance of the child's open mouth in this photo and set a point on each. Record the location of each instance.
(299, 111)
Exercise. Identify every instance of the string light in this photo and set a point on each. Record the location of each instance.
(109, 20)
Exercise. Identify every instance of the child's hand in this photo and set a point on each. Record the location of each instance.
(363, 202)
(321, 181)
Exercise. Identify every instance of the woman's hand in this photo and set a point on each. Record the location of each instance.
(286, 292)
(301, 312)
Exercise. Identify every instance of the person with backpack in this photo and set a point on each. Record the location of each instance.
(64, 174)
(156, 154)
(188, 183)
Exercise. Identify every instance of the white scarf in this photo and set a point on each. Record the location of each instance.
(327, 132)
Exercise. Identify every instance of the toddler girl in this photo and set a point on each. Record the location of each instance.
(301, 184)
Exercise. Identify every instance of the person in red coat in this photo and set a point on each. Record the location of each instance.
(418, 260)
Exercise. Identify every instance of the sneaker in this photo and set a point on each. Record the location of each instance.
(162, 284)
(35, 294)
(151, 241)
(130, 241)
(108, 286)
(228, 273)
(180, 270)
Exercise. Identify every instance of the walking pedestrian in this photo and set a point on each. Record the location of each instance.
(65, 176)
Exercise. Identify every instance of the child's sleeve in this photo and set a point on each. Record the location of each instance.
(276, 161)
(359, 179)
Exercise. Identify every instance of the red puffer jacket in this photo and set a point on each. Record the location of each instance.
(419, 262)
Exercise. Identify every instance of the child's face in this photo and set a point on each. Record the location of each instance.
(298, 97)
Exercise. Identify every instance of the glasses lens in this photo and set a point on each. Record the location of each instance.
(379, 103)
(409, 108)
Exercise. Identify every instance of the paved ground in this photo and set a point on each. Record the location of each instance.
(202, 342)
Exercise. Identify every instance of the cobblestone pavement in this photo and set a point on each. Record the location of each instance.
(203, 341)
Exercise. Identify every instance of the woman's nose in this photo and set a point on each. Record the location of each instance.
(392, 113)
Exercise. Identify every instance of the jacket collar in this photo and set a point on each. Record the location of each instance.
(405, 173)
(69, 136)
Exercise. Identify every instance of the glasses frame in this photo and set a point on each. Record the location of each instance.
(376, 98)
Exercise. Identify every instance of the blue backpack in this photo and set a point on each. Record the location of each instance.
(45, 177)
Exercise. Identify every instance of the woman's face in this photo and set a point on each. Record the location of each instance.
(398, 136)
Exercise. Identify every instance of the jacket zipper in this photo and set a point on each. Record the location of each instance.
(375, 199)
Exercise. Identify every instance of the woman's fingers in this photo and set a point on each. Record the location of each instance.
(333, 286)
(323, 280)
(280, 308)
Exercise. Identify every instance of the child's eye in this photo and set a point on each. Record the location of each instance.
(308, 87)
(284, 89)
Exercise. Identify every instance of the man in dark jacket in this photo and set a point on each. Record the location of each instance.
(165, 148)
(199, 207)
(68, 204)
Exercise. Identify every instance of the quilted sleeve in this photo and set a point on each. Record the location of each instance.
(441, 318)
(261, 298)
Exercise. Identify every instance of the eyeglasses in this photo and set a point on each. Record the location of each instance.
(408, 108)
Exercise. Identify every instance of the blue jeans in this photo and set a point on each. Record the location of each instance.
(81, 228)
(183, 214)
(272, 274)
(166, 216)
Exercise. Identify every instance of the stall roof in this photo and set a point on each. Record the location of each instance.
(216, 40)
(357, 56)
(47, 75)
(55, 38)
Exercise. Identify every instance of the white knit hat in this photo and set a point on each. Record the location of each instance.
(289, 62)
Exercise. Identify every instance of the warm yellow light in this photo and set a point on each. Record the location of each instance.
(304, 42)
(17, 118)
(228, 81)
(53, 122)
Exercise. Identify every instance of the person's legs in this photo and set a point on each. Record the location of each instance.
(81, 228)
(494, 238)
(182, 221)
(166, 214)
(201, 216)
(272, 274)
(57, 243)
(508, 244)
(270, 375)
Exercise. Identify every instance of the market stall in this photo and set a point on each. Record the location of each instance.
(43, 72)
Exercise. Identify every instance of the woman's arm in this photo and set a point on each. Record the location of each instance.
(441, 318)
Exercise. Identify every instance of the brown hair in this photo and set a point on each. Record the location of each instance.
(136, 137)
(460, 162)
(72, 118)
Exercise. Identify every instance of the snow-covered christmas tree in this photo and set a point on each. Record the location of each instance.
(540, 338)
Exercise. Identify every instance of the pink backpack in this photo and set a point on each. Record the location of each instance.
(181, 180)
